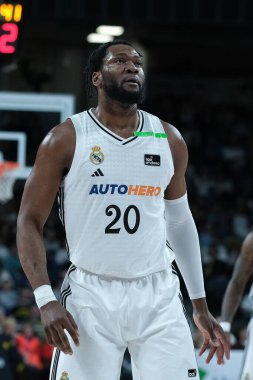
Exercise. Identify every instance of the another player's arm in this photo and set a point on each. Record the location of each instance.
(242, 270)
(53, 158)
(183, 236)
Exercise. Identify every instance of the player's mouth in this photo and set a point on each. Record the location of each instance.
(132, 81)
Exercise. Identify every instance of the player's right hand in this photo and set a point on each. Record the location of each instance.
(214, 338)
(55, 319)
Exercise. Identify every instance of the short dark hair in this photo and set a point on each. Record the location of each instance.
(95, 61)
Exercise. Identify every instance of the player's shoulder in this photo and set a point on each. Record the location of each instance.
(176, 142)
(61, 134)
(59, 144)
(171, 131)
(247, 245)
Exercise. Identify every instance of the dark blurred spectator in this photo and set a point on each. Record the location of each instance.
(46, 356)
(4, 274)
(8, 295)
(217, 276)
(2, 318)
(22, 310)
(29, 346)
(12, 362)
(12, 263)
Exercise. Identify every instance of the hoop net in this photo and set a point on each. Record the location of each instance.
(7, 180)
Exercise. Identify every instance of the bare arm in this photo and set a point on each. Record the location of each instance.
(177, 185)
(242, 270)
(53, 158)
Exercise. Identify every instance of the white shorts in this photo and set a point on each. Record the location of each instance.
(144, 315)
(247, 368)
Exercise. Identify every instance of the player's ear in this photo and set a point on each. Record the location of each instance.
(96, 78)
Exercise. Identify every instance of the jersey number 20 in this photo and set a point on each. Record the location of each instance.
(113, 209)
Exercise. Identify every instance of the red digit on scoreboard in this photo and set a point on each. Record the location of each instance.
(8, 38)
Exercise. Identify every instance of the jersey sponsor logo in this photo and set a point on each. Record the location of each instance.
(98, 173)
(192, 372)
(96, 156)
(140, 190)
(152, 159)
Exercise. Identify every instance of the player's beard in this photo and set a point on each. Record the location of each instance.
(117, 92)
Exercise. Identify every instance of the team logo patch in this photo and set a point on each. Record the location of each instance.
(152, 159)
(96, 156)
(64, 376)
(192, 372)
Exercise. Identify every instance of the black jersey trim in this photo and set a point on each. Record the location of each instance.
(71, 269)
(61, 214)
(173, 269)
(139, 129)
(101, 127)
(184, 309)
(169, 246)
(55, 364)
(65, 295)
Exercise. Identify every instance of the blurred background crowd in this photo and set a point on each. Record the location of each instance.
(200, 80)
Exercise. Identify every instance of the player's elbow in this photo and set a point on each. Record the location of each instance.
(27, 225)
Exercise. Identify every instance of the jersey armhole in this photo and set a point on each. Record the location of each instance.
(169, 148)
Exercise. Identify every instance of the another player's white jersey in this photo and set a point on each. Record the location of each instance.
(112, 199)
(251, 294)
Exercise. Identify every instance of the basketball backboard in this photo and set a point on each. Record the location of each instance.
(25, 118)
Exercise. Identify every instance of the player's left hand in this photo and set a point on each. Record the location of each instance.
(214, 338)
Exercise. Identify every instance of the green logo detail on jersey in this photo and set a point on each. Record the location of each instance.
(202, 374)
(96, 156)
(151, 134)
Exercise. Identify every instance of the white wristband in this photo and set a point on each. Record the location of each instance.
(226, 326)
(44, 294)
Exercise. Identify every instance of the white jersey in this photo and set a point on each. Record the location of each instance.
(112, 199)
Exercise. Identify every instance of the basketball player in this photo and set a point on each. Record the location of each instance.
(121, 173)
(243, 269)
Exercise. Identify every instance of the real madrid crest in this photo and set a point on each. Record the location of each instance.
(96, 156)
(64, 376)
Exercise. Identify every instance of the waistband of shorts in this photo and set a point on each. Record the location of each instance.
(108, 277)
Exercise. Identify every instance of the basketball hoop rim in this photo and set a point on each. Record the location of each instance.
(7, 166)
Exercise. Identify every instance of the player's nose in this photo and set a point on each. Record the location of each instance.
(131, 68)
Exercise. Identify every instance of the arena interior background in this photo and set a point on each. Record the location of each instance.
(199, 64)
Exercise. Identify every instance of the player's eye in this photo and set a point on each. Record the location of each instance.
(120, 61)
(138, 64)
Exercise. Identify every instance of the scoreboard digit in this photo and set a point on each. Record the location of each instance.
(10, 18)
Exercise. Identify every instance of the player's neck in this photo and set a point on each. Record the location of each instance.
(121, 119)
